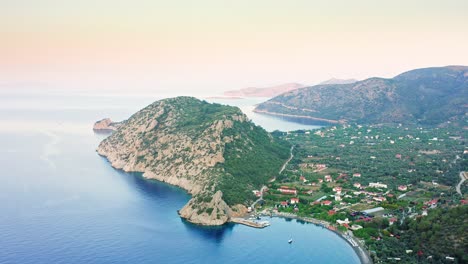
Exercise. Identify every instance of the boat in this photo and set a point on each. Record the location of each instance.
(290, 241)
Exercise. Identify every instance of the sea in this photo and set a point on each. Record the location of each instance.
(62, 203)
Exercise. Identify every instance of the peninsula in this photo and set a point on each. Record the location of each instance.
(212, 151)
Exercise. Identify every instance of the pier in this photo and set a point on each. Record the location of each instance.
(250, 223)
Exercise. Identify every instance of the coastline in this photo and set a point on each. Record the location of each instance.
(327, 121)
(362, 253)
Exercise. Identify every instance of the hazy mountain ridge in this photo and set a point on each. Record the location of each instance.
(264, 91)
(426, 96)
(338, 81)
(212, 151)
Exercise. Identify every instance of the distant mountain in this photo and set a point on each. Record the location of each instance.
(425, 96)
(213, 151)
(265, 91)
(338, 81)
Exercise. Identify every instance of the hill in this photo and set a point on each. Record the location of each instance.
(425, 96)
(264, 91)
(211, 150)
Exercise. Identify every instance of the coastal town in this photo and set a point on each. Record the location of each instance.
(362, 182)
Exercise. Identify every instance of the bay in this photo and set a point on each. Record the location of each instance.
(62, 203)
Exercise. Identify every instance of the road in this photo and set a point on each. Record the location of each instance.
(259, 199)
(263, 187)
(286, 163)
(462, 179)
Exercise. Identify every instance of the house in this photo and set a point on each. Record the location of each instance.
(294, 200)
(309, 192)
(357, 185)
(356, 174)
(378, 185)
(432, 203)
(379, 199)
(303, 179)
(341, 222)
(326, 202)
(328, 178)
(331, 212)
(392, 220)
(402, 188)
(257, 193)
(398, 156)
(287, 190)
(284, 204)
(337, 197)
(320, 180)
(355, 227)
(337, 189)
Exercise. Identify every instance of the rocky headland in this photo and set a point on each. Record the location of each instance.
(212, 151)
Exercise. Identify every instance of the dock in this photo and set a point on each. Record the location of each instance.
(250, 223)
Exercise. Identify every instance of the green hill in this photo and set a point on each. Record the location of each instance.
(213, 151)
(424, 96)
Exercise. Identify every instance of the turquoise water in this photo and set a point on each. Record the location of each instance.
(62, 203)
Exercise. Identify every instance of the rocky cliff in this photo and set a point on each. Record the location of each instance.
(196, 145)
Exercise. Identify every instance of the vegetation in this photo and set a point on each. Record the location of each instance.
(425, 96)
(251, 159)
(422, 222)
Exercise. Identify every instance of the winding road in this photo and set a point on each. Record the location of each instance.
(462, 179)
(264, 187)
(286, 163)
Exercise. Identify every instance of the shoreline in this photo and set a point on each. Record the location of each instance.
(327, 121)
(358, 248)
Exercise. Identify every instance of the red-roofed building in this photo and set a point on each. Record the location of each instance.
(357, 185)
(331, 212)
(326, 202)
(402, 188)
(379, 199)
(302, 178)
(337, 189)
(328, 178)
(392, 220)
(284, 203)
(432, 203)
(287, 190)
(294, 200)
(398, 156)
(356, 174)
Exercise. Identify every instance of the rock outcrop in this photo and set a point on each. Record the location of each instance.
(105, 125)
(214, 212)
(188, 143)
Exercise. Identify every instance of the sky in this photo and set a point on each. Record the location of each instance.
(216, 45)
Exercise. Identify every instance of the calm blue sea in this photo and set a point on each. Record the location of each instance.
(62, 203)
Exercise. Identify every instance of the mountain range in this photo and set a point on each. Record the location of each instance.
(424, 96)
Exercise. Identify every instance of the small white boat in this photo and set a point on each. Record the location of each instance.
(290, 241)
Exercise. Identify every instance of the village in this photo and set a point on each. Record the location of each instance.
(329, 181)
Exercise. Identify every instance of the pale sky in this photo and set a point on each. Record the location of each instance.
(216, 45)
